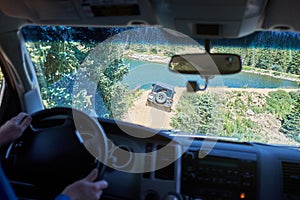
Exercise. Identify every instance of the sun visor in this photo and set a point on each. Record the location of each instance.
(210, 18)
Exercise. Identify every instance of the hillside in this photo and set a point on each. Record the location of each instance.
(246, 115)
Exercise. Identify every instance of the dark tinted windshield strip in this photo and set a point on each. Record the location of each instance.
(70, 34)
(263, 39)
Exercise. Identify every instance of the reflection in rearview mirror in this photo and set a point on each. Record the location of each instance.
(206, 64)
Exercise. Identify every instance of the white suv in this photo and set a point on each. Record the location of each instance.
(161, 96)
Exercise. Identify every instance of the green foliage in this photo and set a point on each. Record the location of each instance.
(241, 127)
(277, 68)
(279, 103)
(295, 95)
(105, 66)
(227, 113)
(60, 60)
(247, 68)
(263, 60)
(154, 51)
(276, 73)
(291, 124)
(52, 66)
(112, 92)
(279, 60)
(197, 113)
(57, 63)
(236, 122)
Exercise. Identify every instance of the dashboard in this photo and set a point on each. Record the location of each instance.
(149, 166)
(229, 171)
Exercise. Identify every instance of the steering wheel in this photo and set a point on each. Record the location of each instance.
(61, 145)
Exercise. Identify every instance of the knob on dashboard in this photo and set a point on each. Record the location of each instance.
(189, 156)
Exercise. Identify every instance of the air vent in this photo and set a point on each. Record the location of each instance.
(291, 178)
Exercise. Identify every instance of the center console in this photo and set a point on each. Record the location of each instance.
(231, 175)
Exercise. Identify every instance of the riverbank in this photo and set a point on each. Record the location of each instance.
(271, 73)
(165, 60)
(148, 58)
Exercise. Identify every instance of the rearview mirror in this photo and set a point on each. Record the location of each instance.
(206, 64)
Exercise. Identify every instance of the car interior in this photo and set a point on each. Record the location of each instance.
(83, 70)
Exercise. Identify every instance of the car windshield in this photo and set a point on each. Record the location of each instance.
(110, 73)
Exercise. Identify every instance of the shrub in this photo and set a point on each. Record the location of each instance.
(279, 103)
(197, 113)
(291, 124)
(277, 68)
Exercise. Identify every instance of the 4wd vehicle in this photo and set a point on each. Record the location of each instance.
(161, 96)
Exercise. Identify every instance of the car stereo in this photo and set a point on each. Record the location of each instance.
(218, 177)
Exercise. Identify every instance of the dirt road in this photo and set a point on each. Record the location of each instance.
(149, 116)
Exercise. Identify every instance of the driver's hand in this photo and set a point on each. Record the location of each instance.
(14, 128)
(86, 188)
